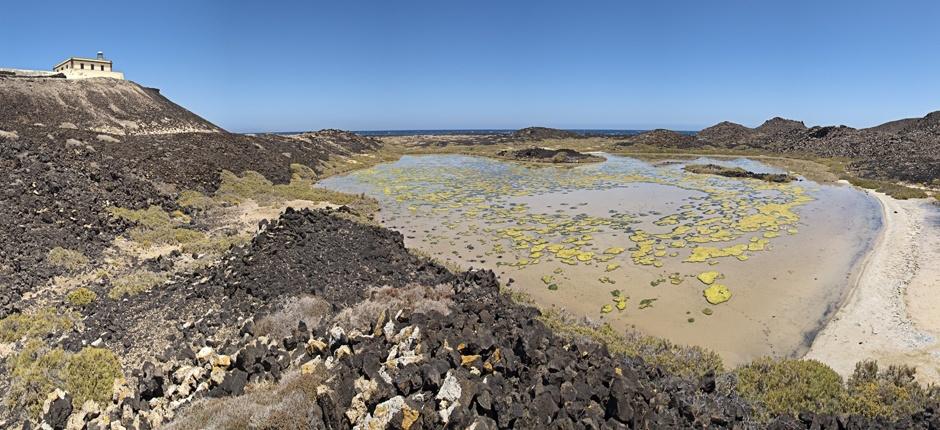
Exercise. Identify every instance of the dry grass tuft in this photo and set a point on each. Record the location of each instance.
(418, 298)
(283, 405)
(309, 309)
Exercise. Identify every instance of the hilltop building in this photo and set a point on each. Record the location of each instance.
(83, 68)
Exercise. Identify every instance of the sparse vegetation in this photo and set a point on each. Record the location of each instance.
(687, 361)
(37, 370)
(155, 226)
(81, 296)
(215, 244)
(135, 283)
(67, 259)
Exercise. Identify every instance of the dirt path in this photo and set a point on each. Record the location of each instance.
(893, 313)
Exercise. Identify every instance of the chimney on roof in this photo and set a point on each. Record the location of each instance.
(100, 55)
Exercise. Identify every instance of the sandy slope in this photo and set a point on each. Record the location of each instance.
(893, 312)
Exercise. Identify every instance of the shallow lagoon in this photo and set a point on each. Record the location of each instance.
(633, 243)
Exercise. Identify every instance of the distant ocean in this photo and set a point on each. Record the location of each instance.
(586, 132)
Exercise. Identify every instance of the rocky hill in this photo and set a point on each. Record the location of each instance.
(542, 133)
(660, 138)
(70, 149)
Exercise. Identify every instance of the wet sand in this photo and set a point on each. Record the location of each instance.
(892, 313)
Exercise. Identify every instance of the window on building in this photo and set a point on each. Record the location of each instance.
(83, 66)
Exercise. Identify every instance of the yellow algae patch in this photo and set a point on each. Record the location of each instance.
(585, 256)
(613, 251)
(621, 302)
(611, 267)
(606, 309)
(757, 244)
(709, 277)
(548, 279)
(703, 253)
(717, 293)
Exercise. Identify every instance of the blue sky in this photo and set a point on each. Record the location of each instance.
(299, 65)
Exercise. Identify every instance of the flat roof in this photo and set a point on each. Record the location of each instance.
(93, 60)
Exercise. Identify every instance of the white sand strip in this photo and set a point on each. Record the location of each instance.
(892, 314)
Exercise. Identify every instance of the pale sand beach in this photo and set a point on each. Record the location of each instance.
(892, 314)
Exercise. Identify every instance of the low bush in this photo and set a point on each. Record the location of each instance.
(90, 375)
(686, 361)
(152, 217)
(66, 259)
(37, 370)
(40, 324)
(776, 387)
(887, 393)
(80, 296)
(135, 283)
(195, 200)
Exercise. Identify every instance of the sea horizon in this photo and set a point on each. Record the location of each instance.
(485, 131)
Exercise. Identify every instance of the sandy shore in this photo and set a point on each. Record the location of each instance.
(892, 314)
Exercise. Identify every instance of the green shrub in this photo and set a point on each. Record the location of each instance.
(889, 393)
(37, 370)
(777, 387)
(90, 375)
(135, 283)
(66, 258)
(686, 361)
(17, 326)
(81, 296)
